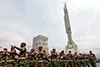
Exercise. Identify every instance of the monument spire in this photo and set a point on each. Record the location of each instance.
(67, 24)
(70, 45)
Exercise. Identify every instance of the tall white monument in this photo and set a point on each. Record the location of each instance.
(71, 46)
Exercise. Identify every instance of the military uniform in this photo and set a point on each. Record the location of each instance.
(63, 59)
(70, 60)
(54, 58)
(32, 58)
(2, 58)
(92, 59)
(46, 61)
(22, 55)
(11, 58)
(87, 61)
(41, 57)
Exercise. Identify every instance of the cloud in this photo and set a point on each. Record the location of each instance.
(23, 20)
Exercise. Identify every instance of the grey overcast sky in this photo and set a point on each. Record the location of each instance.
(21, 20)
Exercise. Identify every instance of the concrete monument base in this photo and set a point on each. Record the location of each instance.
(73, 50)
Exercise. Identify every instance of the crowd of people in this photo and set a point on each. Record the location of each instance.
(41, 59)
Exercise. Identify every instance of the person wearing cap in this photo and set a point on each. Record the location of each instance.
(87, 60)
(83, 60)
(92, 59)
(63, 59)
(67, 62)
(70, 60)
(40, 57)
(80, 58)
(22, 54)
(46, 64)
(54, 58)
(4, 56)
(11, 57)
(76, 60)
(32, 57)
(1, 59)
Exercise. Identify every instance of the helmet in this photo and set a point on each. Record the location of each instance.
(33, 49)
(5, 49)
(23, 43)
(40, 46)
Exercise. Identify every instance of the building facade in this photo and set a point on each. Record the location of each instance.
(40, 40)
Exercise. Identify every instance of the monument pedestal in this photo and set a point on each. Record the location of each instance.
(73, 48)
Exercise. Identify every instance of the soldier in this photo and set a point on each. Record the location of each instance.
(92, 59)
(54, 58)
(59, 59)
(2, 59)
(80, 58)
(32, 58)
(41, 57)
(22, 54)
(76, 60)
(11, 57)
(87, 60)
(70, 60)
(63, 59)
(46, 64)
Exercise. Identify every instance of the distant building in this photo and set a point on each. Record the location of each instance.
(40, 40)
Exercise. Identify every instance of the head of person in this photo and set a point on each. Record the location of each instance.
(40, 47)
(62, 51)
(44, 51)
(23, 44)
(75, 53)
(79, 53)
(54, 49)
(5, 49)
(12, 48)
(70, 52)
(32, 50)
(90, 52)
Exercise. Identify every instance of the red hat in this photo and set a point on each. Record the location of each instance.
(1, 51)
(69, 51)
(79, 53)
(40, 46)
(54, 49)
(33, 49)
(75, 52)
(5, 49)
(43, 50)
(68, 54)
(23, 43)
(62, 50)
